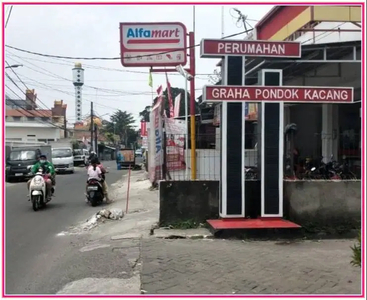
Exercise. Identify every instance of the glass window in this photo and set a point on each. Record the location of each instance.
(23, 155)
(58, 153)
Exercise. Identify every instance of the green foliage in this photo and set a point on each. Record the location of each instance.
(121, 124)
(356, 258)
(145, 114)
(75, 144)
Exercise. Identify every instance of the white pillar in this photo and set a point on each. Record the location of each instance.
(336, 132)
(329, 132)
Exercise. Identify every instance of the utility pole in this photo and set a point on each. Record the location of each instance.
(96, 138)
(91, 126)
(65, 123)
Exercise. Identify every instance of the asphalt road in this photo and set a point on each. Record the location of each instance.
(33, 249)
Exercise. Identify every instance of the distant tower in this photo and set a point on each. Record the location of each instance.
(78, 81)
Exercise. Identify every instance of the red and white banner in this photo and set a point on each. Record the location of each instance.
(292, 94)
(177, 106)
(143, 128)
(175, 144)
(155, 152)
(170, 101)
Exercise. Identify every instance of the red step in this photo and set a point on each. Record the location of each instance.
(260, 223)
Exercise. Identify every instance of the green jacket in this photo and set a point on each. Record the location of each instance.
(47, 164)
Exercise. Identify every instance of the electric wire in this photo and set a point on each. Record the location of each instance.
(114, 58)
(8, 18)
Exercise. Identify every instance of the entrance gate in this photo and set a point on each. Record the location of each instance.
(271, 96)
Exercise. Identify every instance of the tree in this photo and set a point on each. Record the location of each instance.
(121, 123)
(145, 114)
(175, 92)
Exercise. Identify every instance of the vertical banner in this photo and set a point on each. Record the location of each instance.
(155, 153)
(143, 128)
(175, 149)
(176, 112)
(170, 101)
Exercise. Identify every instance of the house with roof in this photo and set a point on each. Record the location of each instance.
(26, 122)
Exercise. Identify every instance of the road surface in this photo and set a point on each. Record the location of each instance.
(33, 250)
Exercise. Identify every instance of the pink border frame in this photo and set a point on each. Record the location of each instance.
(362, 4)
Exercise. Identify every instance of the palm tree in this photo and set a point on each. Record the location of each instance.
(121, 124)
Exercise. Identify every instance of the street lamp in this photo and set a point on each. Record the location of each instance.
(13, 66)
(188, 77)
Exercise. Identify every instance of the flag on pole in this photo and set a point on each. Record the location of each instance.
(150, 80)
(170, 102)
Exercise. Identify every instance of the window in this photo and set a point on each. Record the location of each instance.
(45, 119)
(30, 118)
(17, 119)
(31, 135)
(23, 155)
(59, 153)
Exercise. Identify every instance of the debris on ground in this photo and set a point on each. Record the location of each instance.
(112, 214)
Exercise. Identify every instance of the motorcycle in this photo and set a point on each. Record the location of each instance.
(37, 190)
(94, 192)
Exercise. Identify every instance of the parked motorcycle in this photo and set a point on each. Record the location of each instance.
(94, 192)
(250, 173)
(344, 171)
(38, 191)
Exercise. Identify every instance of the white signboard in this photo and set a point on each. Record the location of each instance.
(153, 44)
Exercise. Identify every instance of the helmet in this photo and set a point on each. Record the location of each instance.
(291, 128)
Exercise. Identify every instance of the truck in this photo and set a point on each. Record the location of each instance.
(62, 156)
(21, 158)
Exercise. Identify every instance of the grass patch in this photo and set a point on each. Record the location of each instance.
(356, 258)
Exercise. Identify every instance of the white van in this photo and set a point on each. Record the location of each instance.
(81, 157)
(63, 159)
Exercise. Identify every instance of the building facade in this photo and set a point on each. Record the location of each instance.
(25, 122)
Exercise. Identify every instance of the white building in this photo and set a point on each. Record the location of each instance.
(31, 132)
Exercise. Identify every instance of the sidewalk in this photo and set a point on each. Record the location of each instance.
(185, 266)
(156, 265)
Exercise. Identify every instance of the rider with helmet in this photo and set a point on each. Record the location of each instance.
(48, 168)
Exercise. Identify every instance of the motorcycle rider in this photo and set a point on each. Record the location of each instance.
(104, 183)
(97, 171)
(48, 168)
(92, 155)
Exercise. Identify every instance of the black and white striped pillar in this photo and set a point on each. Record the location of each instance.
(270, 146)
(232, 179)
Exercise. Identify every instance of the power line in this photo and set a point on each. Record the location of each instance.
(32, 114)
(113, 58)
(8, 18)
(11, 79)
(114, 93)
(87, 66)
(12, 69)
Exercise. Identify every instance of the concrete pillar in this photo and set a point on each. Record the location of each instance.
(330, 132)
(287, 114)
(336, 133)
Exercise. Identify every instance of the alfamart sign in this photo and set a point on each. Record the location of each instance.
(292, 94)
(153, 44)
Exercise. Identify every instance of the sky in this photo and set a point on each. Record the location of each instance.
(93, 31)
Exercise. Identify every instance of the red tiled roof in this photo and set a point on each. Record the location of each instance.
(28, 113)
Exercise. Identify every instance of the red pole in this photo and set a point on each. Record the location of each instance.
(128, 190)
(192, 104)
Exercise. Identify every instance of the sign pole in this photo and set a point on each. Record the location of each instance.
(192, 105)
